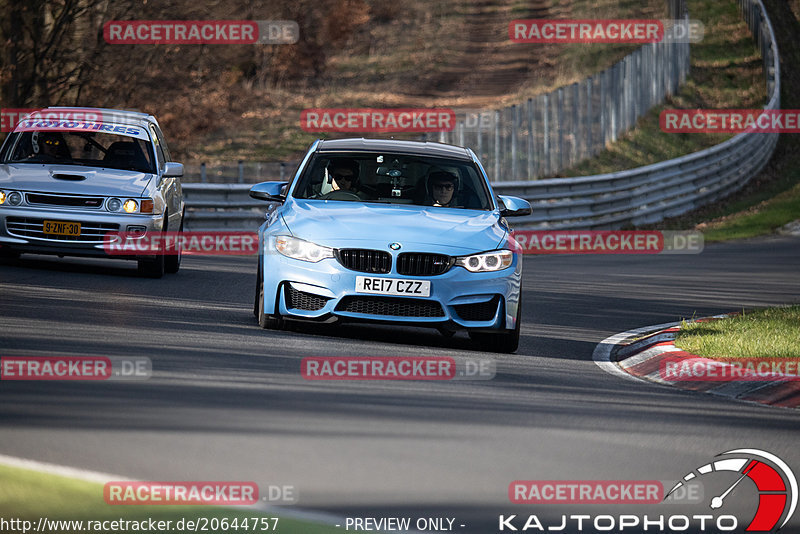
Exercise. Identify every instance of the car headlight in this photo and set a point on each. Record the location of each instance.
(114, 204)
(496, 260)
(130, 206)
(298, 249)
(14, 198)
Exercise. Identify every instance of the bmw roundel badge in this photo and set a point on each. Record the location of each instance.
(394, 246)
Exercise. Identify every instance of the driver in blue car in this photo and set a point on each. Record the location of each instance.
(344, 174)
(341, 175)
(443, 188)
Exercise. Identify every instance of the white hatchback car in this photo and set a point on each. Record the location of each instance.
(71, 178)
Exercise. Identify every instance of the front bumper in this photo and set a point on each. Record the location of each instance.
(21, 230)
(324, 290)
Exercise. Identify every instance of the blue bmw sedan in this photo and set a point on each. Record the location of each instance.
(396, 232)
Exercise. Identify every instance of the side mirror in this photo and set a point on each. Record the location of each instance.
(272, 191)
(173, 169)
(514, 206)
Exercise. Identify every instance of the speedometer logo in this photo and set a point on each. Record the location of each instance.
(775, 484)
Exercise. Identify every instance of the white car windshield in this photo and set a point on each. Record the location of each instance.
(76, 147)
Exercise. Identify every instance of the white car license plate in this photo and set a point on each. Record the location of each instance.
(61, 228)
(393, 286)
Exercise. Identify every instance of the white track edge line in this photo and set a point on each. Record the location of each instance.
(602, 352)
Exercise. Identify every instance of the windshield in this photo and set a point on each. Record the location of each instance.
(395, 179)
(82, 147)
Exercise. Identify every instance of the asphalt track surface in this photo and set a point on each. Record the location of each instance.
(227, 402)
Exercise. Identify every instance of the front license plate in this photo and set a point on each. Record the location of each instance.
(62, 228)
(393, 286)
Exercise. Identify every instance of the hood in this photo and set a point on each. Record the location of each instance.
(417, 228)
(98, 181)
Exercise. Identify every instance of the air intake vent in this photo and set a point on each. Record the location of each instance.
(304, 301)
(390, 306)
(71, 177)
(482, 311)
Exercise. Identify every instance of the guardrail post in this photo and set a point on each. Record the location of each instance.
(658, 52)
(614, 97)
(514, 127)
(638, 79)
(496, 144)
(629, 84)
(282, 171)
(546, 133)
(560, 120)
(241, 171)
(203, 172)
(530, 139)
(603, 109)
(589, 148)
(576, 130)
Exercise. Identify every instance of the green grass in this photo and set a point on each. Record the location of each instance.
(725, 73)
(766, 333)
(762, 219)
(30, 495)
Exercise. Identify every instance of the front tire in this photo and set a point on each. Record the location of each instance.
(9, 254)
(505, 341)
(267, 322)
(155, 268)
(152, 268)
(172, 263)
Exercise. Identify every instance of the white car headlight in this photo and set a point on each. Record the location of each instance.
(486, 261)
(14, 198)
(298, 249)
(114, 204)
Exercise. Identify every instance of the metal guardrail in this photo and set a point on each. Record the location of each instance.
(626, 198)
(666, 189)
(222, 206)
